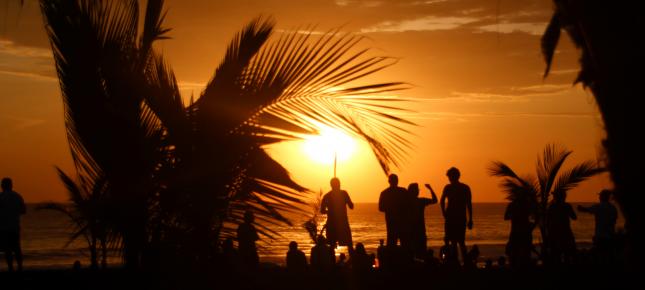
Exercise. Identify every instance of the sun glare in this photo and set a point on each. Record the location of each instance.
(322, 148)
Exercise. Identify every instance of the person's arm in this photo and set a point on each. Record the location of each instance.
(348, 199)
(381, 202)
(433, 200)
(23, 208)
(584, 209)
(470, 209)
(442, 203)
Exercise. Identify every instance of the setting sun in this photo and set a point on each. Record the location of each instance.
(321, 148)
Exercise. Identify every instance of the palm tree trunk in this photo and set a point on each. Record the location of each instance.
(612, 35)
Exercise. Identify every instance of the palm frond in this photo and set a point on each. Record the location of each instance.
(500, 169)
(221, 106)
(549, 164)
(303, 85)
(550, 40)
(572, 177)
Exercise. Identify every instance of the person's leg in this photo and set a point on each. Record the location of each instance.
(17, 249)
(463, 249)
(391, 235)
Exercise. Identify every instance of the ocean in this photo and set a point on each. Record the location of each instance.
(45, 234)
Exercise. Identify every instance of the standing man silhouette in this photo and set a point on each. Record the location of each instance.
(459, 213)
(334, 205)
(392, 202)
(11, 207)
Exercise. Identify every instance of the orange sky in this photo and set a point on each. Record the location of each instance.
(475, 67)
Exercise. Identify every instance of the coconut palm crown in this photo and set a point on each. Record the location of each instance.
(179, 175)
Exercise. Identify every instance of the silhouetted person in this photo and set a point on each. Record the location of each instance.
(12, 206)
(562, 243)
(418, 221)
(361, 261)
(342, 261)
(520, 241)
(335, 204)
(246, 237)
(230, 255)
(449, 256)
(296, 260)
(322, 255)
(77, 266)
(393, 201)
(384, 255)
(431, 262)
(488, 264)
(605, 215)
(470, 260)
(459, 212)
(501, 262)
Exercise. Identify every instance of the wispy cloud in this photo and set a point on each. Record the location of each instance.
(532, 28)
(26, 61)
(20, 123)
(363, 3)
(427, 23)
(463, 117)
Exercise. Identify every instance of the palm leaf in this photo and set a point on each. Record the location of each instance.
(548, 166)
(572, 177)
(550, 41)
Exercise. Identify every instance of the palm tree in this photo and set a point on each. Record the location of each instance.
(87, 213)
(608, 35)
(180, 176)
(537, 190)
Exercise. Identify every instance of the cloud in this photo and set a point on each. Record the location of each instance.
(26, 61)
(464, 117)
(30, 75)
(532, 28)
(363, 3)
(427, 23)
(20, 123)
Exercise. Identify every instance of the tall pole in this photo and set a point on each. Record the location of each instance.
(335, 157)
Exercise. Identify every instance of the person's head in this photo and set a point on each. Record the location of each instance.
(335, 183)
(248, 217)
(228, 244)
(453, 174)
(342, 257)
(293, 246)
(604, 195)
(381, 242)
(320, 241)
(501, 261)
(360, 248)
(7, 184)
(559, 196)
(393, 180)
(430, 252)
(474, 252)
(413, 189)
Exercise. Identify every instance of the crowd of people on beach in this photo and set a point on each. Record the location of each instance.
(406, 240)
(406, 245)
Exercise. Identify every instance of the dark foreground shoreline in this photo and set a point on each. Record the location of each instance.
(279, 278)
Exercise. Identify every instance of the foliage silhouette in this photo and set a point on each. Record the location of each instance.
(537, 190)
(611, 64)
(87, 213)
(178, 177)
